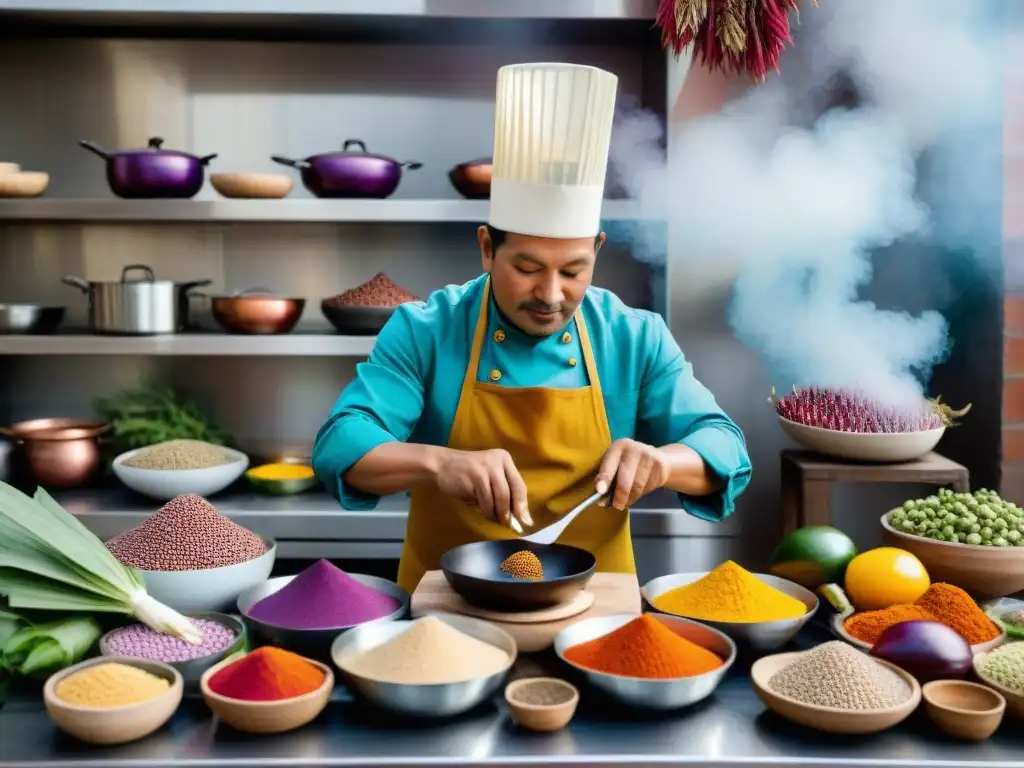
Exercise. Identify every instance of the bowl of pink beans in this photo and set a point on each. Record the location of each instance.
(223, 636)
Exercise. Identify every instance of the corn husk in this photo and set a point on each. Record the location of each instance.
(50, 561)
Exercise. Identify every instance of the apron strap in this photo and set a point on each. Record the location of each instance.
(595, 381)
(474, 353)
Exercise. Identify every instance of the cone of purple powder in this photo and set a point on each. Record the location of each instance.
(323, 597)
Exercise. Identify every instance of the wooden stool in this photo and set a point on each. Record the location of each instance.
(807, 479)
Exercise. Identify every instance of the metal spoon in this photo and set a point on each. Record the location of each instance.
(550, 534)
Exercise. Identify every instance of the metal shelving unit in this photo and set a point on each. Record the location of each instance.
(271, 211)
(189, 344)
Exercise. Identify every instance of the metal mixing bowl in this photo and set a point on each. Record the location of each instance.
(761, 635)
(30, 318)
(193, 669)
(257, 311)
(437, 700)
(313, 643)
(642, 692)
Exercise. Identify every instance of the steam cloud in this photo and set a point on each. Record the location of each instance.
(798, 199)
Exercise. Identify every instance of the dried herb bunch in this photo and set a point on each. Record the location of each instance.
(733, 36)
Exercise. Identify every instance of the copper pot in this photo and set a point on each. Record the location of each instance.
(473, 180)
(256, 311)
(60, 453)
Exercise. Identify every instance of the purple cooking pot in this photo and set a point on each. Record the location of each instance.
(353, 172)
(152, 172)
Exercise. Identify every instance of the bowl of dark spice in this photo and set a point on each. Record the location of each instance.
(223, 636)
(306, 612)
(192, 557)
(542, 704)
(169, 469)
(365, 309)
(836, 688)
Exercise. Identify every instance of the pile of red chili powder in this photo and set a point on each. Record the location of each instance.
(187, 534)
(267, 674)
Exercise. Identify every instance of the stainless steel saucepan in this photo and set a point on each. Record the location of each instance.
(136, 307)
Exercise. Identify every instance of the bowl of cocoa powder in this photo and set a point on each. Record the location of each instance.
(363, 310)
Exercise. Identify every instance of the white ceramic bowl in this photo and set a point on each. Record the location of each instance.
(864, 446)
(165, 484)
(211, 589)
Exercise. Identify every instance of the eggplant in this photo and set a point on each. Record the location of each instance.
(928, 650)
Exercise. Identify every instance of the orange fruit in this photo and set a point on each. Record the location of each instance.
(885, 576)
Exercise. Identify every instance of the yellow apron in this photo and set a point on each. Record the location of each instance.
(556, 437)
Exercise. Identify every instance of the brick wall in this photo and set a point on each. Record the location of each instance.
(1013, 260)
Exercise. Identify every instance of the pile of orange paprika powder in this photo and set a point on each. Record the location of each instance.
(267, 674)
(644, 648)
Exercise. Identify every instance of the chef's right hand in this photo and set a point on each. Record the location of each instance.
(489, 481)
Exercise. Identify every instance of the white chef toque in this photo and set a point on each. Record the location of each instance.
(552, 130)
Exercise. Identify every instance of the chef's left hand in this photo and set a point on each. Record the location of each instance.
(633, 470)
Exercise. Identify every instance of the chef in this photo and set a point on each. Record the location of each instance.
(503, 403)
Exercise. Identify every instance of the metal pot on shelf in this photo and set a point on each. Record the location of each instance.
(472, 180)
(140, 307)
(152, 172)
(58, 453)
(256, 311)
(30, 318)
(353, 172)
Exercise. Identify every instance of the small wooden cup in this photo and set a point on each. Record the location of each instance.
(968, 711)
(543, 718)
(252, 186)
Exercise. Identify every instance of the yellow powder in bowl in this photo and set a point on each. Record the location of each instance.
(732, 594)
(105, 686)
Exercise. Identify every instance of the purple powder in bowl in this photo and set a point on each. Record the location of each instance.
(138, 641)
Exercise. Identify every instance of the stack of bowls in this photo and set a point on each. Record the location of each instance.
(758, 635)
(647, 693)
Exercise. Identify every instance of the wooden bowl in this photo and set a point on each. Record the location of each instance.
(23, 184)
(6, 168)
(543, 718)
(250, 186)
(829, 719)
(985, 572)
(964, 710)
(268, 716)
(114, 725)
(1014, 699)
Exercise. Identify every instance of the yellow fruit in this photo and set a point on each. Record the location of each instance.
(885, 576)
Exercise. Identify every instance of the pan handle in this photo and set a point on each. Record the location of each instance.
(192, 284)
(412, 165)
(300, 164)
(95, 148)
(205, 159)
(76, 282)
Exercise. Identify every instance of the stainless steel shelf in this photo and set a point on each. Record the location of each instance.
(390, 211)
(286, 345)
(454, 9)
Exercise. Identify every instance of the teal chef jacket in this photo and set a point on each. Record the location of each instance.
(409, 388)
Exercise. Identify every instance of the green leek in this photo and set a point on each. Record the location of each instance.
(50, 561)
(44, 648)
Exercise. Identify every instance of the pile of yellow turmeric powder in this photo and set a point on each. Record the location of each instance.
(730, 594)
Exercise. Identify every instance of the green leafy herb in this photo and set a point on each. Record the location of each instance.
(150, 415)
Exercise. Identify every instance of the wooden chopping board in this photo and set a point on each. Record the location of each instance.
(613, 593)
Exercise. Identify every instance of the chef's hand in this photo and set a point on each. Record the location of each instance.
(488, 480)
(632, 470)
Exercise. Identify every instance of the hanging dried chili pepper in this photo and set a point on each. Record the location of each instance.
(733, 36)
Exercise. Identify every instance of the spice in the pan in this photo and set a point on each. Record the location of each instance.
(543, 693)
(644, 647)
(323, 597)
(104, 686)
(379, 291)
(267, 674)
(1005, 666)
(945, 603)
(837, 675)
(523, 565)
(427, 653)
(179, 455)
(140, 642)
(730, 593)
(187, 534)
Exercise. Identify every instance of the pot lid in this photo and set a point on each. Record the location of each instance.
(154, 147)
(354, 148)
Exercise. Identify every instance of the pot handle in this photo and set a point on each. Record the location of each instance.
(358, 143)
(192, 284)
(155, 142)
(412, 165)
(205, 159)
(150, 277)
(300, 164)
(96, 149)
(76, 282)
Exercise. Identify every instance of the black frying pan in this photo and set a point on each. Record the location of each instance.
(473, 572)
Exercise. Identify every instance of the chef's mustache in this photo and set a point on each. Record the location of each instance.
(535, 306)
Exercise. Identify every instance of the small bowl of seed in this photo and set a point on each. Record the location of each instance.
(177, 467)
(542, 704)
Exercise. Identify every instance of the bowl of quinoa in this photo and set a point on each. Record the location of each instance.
(171, 468)
(223, 636)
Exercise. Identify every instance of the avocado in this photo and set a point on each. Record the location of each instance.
(812, 556)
